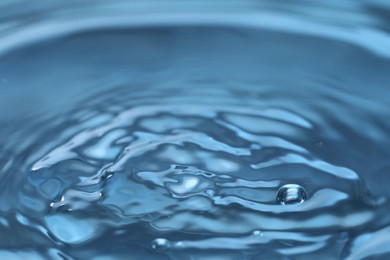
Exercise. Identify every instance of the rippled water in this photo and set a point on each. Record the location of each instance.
(202, 131)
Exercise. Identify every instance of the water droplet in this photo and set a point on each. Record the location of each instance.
(161, 244)
(291, 194)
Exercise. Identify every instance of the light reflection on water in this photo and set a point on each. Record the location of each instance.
(167, 130)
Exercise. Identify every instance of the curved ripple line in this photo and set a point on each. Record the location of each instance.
(370, 244)
(320, 199)
(247, 241)
(250, 184)
(302, 249)
(264, 141)
(358, 35)
(337, 171)
(248, 221)
(126, 119)
(182, 136)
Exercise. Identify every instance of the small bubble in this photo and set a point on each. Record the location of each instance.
(257, 233)
(106, 175)
(161, 244)
(210, 193)
(291, 194)
(179, 244)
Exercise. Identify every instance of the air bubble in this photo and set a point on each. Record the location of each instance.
(291, 194)
(161, 244)
(257, 233)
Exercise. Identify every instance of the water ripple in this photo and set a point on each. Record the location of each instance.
(162, 146)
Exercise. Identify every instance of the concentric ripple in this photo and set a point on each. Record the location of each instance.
(211, 167)
(267, 139)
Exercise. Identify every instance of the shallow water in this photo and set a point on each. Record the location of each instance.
(194, 131)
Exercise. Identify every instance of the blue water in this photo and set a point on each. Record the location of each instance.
(204, 130)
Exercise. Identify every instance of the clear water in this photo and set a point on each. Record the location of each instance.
(210, 130)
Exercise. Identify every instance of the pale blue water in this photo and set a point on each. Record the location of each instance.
(204, 130)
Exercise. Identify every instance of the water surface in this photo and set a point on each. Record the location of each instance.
(198, 131)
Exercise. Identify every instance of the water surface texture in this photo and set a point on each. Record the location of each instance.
(209, 130)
